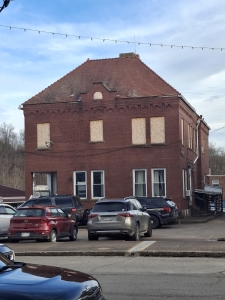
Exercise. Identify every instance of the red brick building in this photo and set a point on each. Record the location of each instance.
(114, 128)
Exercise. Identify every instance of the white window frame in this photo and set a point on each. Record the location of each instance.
(135, 183)
(92, 184)
(83, 183)
(153, 190)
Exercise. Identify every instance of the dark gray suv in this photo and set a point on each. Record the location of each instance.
(70, 204)
(118, 217)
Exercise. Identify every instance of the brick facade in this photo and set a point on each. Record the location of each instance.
(71, 149)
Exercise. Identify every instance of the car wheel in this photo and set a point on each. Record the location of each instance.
(149, 231)
(73, 236)
(92, 237)
(136, 235)
(53, 236)
(155, 221)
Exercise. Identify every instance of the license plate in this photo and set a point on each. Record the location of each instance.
(107, 219)
(24, 234)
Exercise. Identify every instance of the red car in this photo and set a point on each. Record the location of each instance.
(41, 223)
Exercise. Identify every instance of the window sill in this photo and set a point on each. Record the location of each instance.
(97, 142)
(43, 149)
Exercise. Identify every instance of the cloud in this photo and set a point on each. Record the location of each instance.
(31, 61)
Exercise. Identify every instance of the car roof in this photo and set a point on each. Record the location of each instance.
(38, 207)
(115, 199)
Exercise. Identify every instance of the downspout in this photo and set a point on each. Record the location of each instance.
(197, 149)
(189, 168)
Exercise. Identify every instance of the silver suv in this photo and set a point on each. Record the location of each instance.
(122, 217)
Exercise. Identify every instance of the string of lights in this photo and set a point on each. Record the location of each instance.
(112, 40)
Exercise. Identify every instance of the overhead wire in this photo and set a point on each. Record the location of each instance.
(112, 40)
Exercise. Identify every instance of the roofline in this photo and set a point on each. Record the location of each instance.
(192, 108)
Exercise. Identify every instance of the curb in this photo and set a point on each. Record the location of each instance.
(126, 253)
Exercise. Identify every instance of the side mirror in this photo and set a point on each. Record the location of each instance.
(69, 215)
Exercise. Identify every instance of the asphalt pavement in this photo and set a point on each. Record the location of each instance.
(188, 237)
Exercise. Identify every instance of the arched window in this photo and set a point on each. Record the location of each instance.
(98, 96)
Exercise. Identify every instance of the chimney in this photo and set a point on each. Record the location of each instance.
(129, 54)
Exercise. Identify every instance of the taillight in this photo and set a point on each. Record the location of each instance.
(92, 216)
(73, 210)
(126, 215)
(168, 209)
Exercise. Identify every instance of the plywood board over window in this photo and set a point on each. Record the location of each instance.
(138, 131)
(96, 131)
(43, 135)
(157, 129)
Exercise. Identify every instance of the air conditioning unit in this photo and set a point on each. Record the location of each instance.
(188, 193)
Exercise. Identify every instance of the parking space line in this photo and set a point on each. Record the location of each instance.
(141, 246)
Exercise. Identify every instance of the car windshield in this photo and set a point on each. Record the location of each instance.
(109, 207)
(27, 212)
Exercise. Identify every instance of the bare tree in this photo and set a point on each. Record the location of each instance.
(11, 157)
(216, 159)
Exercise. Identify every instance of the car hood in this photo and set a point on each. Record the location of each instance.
(38, 282)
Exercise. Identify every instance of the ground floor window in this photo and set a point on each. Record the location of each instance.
(139, 182)
(158, 182)
(80, 184)
(98, 184)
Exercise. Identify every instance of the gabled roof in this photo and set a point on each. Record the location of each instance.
(127, 75)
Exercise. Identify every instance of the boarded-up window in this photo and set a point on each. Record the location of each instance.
(182, 131)
(96, 131)
(157, 129)
(43, 135)
(190, 137)
(138, 131)
(98, 96)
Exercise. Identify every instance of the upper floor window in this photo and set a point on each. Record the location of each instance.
(139, 182)
(98, 184)
(158, 182)
(182, 131)
(80, 184)
(96, 131)
(43, 135)
(157, 129)
(190, 137)
(203, 146)
(98, 96)
(138, 131)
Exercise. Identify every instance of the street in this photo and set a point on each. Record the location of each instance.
(134, 278)
(194, 239)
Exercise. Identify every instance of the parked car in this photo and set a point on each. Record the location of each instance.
(31, 281)
(162, 210)
(8, 252)
(41, 223)
(6, 213)
(118, 217)
(69, 203)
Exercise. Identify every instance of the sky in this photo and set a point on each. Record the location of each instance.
(43, 45)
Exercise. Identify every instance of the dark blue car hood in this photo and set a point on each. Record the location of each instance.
(38, 282)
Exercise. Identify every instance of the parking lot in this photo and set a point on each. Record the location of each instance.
(190, 239)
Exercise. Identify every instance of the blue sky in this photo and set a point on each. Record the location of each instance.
(31, 61)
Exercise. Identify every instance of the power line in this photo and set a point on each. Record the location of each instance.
(112, 40)
(217, 129)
